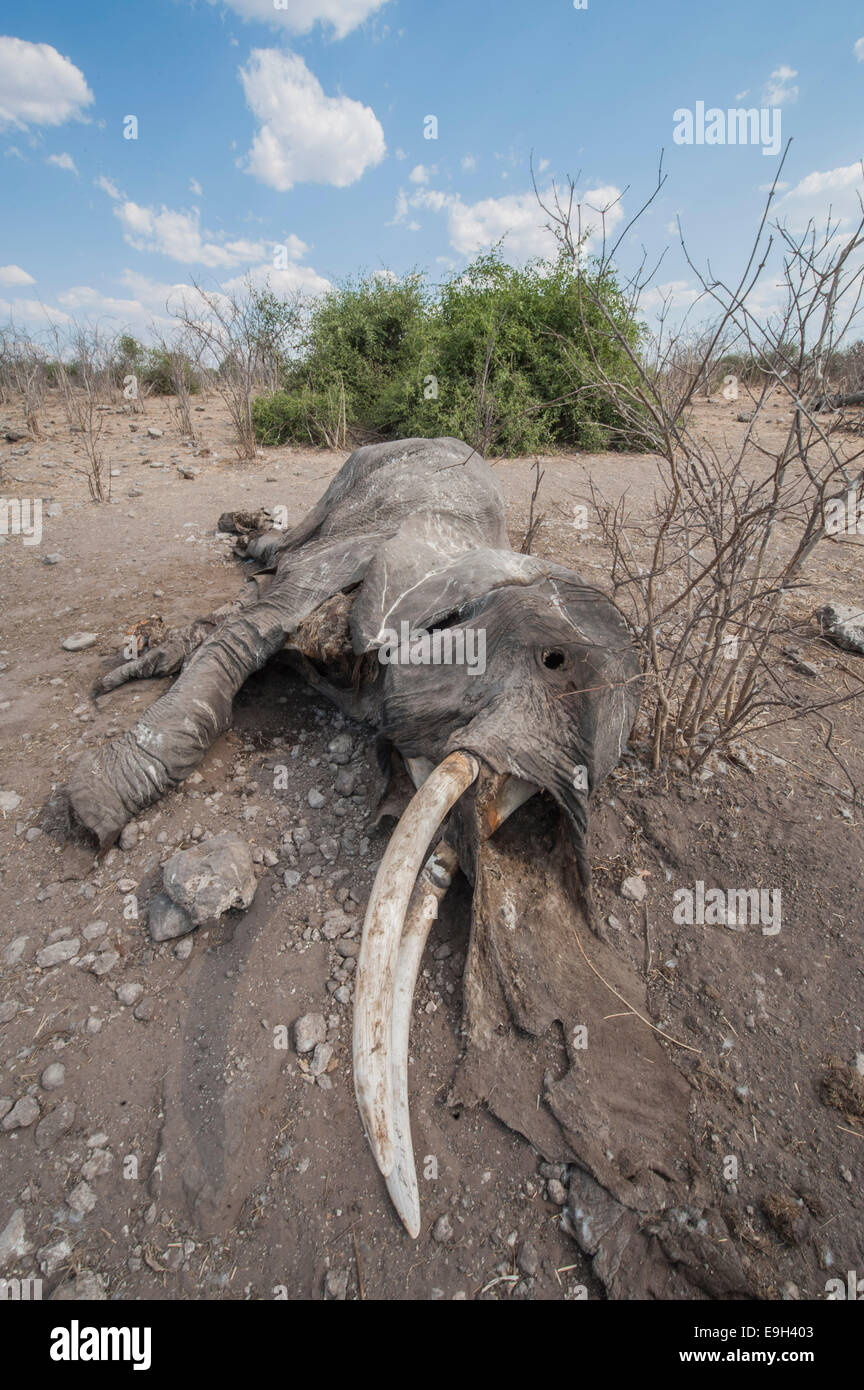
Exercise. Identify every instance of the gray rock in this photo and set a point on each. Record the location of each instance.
(8, 1010)
(315, 799)
(53, 1077)
(442, 1231)
(9, 801)
(79, 641)
(57, 953)
(336, 1285)
(556, 1192)
(82, 1199)
(24, 1113)
(128, 836)
(54, 1125)
(345, 782)
(105, 961)
(94, 930)
(13, 1239)
(321, 1058)
(290, 878)
(129, 993)
(209, 879)
(309, 1032)
(339, 748)
(842, 625)
(527, 1260)
(166, 920)
(634, 889)
(15, 950)
(153, 432)
(87, 1287)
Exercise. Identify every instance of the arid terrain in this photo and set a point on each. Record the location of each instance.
(155, 1143)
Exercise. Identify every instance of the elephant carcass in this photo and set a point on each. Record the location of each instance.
(496, 676)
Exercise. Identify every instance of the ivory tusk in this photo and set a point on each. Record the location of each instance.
(435, 879)
(382, 933)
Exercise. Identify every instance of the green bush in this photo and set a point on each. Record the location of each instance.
(498, 356)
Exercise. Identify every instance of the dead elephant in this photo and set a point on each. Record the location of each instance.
(410, 538)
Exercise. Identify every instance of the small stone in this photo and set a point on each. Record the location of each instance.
(128, 836)
(53, 559)
(336, 1285)
(145, 1011)
(166, 921)
(309, 1032)
(94, 930)
(8, 1010)
(442, 1231)
(556, 1192)
(315, 799)
(321, 1058)
(339, 748)
(24, 1113)
(153, 432)
(53, 1077)
(345, 782)
(53, 1257)
(105, 961)
(93, 1026)
(9, 801)
(82, 1199)
(13, 1239)
(57, 953)
(527, 1260)
(79, 641)
(290, 878)
(54, 1125)
(129, 994)
(16, 948)
(98, 1164)
(634, 889)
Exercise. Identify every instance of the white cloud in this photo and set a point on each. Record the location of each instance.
(778, 90)
(14, 275)
(838, 189)
(858, 50)
(108, 187)
(518, 218)
(63, 161)
(292, 277)
(179, 236)
(302, 15)
(673, 295)
(468, 163)
(195, 187)
(38, 86)
(304, 135)
(420, 173)
(32, 312)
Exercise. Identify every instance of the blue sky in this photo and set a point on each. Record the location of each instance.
(304, 127)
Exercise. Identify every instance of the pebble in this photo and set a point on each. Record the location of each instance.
(634, 889)
(53, 559)
(315, 799)
(93, 930)
(24, 1113)
(129, 993)
(82, 1199)
(166, 921)
(53, 1076)
(527, 1260)
(442, 1231)
(321, 1057)
(105, 961)
(8, 1010)
(79, 641)
(9, 801)
(13, 1239)
(129, 836)
(54, 1125)
(556, 1192)
(57, 953)
(309, 1032)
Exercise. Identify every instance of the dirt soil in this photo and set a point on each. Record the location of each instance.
(182, 1149)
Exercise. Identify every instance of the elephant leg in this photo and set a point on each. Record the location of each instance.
(111, 784)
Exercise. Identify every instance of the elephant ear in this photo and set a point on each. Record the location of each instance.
(431, 567)
(558, 1047)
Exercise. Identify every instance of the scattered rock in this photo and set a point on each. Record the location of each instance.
(8, 1010)
(53, 1077)
(166, 920)
(442, 1231)
(128, 836)
(79, 641)
(527, 1260)
(209, 879)
(13, 1239)
(336, 1285)
(309, 1032)
(57, 953)
(842, 625)
(315, 799)
(24, 1113)
(129, 994)
(634, 889)
(556, 1192)
(9, 801)
(82, 1199)
(54, 1125)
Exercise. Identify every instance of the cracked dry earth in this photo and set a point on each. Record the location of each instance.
(156, 1139)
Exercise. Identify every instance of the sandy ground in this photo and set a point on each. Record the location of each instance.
(179, 1153)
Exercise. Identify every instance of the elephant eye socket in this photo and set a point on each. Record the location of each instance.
(553, 659)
